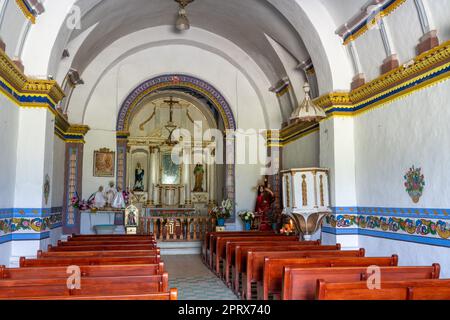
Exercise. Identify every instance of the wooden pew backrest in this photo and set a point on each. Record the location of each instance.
(390, 290)
(300, 283)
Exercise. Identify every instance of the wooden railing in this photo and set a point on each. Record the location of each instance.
(176, 228)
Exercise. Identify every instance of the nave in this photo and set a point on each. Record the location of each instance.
(251, 265)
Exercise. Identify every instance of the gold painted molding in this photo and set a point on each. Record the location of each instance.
(382, 14)
(289, 134)
(19, 85)
(28, 14)
(434, 60)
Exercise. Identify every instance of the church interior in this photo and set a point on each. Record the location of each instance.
(224, 150)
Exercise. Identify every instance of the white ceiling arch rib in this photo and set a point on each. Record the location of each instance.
(110, 59)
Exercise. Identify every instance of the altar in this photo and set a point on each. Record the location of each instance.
(91, 220)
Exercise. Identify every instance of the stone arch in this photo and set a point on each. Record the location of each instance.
(174, 82)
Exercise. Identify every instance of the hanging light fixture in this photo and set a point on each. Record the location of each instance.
(182, 23)
(308, 111)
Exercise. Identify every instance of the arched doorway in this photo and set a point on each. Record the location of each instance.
(187, 85)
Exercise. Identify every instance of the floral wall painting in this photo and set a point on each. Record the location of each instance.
(414, 183)
(104, 162)
(46, 189)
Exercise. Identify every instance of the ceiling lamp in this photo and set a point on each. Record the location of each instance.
(182, 23)
(308, 111)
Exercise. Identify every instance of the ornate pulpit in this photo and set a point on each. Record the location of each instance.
(306, 198)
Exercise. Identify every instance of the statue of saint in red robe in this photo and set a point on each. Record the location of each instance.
(264, 201)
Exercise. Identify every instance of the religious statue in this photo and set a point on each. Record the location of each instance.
(139, 178)
(119, 200)
(99, 198)
(199, 172)
(110, 194)
(264, 200)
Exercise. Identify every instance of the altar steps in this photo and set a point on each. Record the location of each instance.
(180, 248)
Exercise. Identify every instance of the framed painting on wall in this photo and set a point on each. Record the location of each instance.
(104, 163)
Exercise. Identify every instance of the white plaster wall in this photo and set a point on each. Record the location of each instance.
(405, 18)
(371, 53)
(55, 235)
(57, 187)
(35, 141)
(9, 118)
(5, 253)
(95, 140)
(337, 153)
(440, 11)
(11, 27)
(389, 140)
(302, 153)
(410, 254)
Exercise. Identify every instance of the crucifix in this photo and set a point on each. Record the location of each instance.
(171, 103)
(170, 126)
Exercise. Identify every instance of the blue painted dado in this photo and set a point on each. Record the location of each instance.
(20, 224)
(419, 225)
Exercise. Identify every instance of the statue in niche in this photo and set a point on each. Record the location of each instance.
(139, 178)
(110, 194)
(199, 172)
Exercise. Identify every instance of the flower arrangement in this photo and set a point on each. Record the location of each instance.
(414, 183)
(82, 205)
(247, 216)
(223, 211)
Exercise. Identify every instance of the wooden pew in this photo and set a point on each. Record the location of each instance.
(95, 238)
(230, 250)
(390, 290)
(108, 253)
(300, 283)
(79, 261)
(210, 240)
(112, 236)
(255, 263)
(273, 269)
(88, 286)
(219, 251)
(206, 240)
(105, 242)
(86, 271)
(171, 295)
(241, 253)
(125, 247)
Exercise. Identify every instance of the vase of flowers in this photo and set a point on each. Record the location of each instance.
(79, 204)
(222, 212)
(247, 218)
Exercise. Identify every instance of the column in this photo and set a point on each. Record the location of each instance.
(274, 153)
(429, 40)
(187, 175)
(391, 62)
(337, 152)
(34, 166)
(359, 79)
(156, 171)
(121, 176)
(151, 175)
(212, 183)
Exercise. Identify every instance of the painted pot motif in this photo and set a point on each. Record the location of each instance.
(414, 183)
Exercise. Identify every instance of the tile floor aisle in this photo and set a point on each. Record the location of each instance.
(194, 280)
